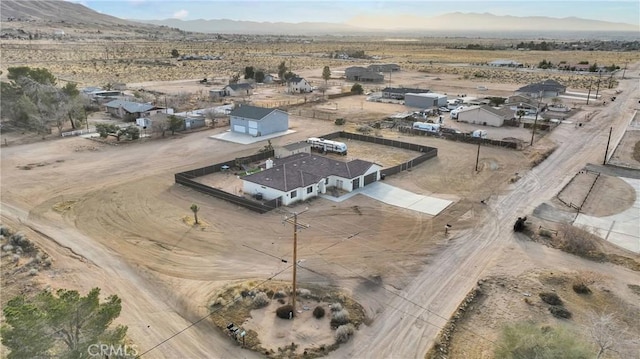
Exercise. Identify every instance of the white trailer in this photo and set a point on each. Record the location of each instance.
(323, 145)
(425, 126)
(479, 134)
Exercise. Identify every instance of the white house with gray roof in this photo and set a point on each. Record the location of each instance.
(258, 121)
(304, 175)
(242, 89)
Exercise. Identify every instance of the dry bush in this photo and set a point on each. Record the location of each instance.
(318, 312)
(344, 333)
(285, 312)
(336, 307)
(340, 318)
(260, 300)
(550, 298)
(279, 294)
(305, 293)
(581, 288)
(577, 241)
(560, 312)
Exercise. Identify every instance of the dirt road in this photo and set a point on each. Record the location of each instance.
(411, 321)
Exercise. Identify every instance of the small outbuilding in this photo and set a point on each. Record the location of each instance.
(425, 100)
(130, 111)
(292, 149)
(258, 121)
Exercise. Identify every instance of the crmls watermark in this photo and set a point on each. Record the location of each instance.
(112, 350)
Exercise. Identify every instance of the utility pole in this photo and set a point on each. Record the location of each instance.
(607, 150)
(294, 221)
(589, 93)
(625, 70)
(478, 154)
(535, 121)
(598, 87)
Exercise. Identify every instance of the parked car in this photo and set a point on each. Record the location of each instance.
(444, 109)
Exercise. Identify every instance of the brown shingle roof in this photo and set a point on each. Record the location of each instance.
(304, 169)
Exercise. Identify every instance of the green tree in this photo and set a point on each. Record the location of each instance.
(175, 124)
(528, 340)
(593, 67)
(357, 88)
(249, 73)
(289, 75)
(195, 209)
(132, 132)
(326, 74)
(39, 75)
(282, 69)
(108, 129)
(497, 101)
(63, 325)
(259, 76)
(175, 53)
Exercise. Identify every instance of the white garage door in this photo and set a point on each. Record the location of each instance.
(253, 131)
(238, 128)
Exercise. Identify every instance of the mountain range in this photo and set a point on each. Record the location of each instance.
(465, 24)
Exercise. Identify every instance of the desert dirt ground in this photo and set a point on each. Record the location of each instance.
(123, 227)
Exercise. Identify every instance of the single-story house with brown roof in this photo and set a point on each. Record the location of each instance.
(485, 115)
(306, 175)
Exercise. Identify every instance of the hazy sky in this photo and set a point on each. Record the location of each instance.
(341, 11)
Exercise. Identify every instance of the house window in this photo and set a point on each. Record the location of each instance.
(309, 189)
(294, 194)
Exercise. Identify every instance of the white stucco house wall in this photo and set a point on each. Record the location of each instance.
(305, 175)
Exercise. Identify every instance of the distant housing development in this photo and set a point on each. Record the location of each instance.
(304, 175)
(505, 63)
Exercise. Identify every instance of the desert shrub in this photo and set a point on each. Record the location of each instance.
(33, 271)
(357, 88)
(7, 248)
(318, 312)
(340, 318)
(528, 340)
(279, 294)
(551, 298)
(305, 293)
(344, 333)
(281, 301)
(560, 312)
(19, 239)
(340, 121)
(4, 231)
(581, 288)
(260, 300)
(336, 307)
(285, 311)
(364, 129)
(579, 242)
(545, 233)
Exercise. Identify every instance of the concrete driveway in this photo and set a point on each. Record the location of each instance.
(398, 197)
(621, 229)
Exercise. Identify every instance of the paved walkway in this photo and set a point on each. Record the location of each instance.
(397, 197)
(247, 139)
(621, 229)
